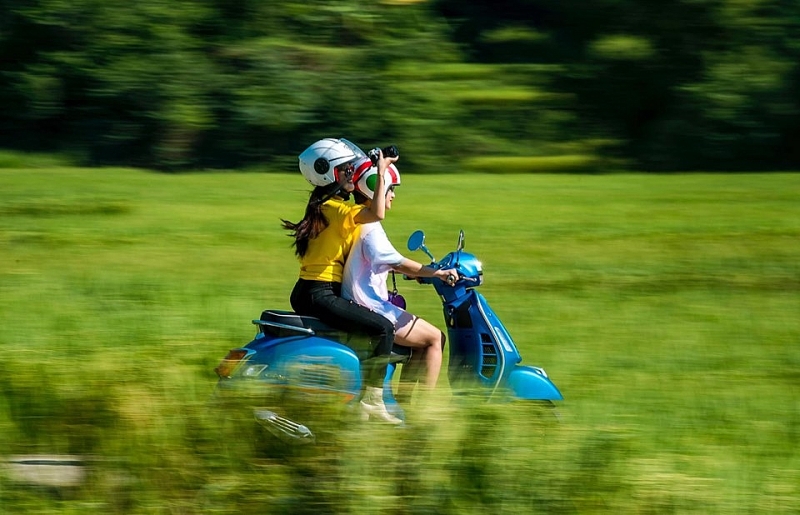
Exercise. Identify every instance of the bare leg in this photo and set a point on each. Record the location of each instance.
(412, 331)
(409, 376)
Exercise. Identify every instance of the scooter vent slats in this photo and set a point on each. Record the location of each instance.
(319, 376)
(489, 359)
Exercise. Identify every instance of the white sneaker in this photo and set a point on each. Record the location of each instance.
(372, 407)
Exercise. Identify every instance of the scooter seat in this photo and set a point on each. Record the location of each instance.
(279, 323)
(292, 319)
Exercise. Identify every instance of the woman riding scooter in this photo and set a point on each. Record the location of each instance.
(322, 241)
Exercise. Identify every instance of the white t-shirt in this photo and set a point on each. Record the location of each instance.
(366, 270)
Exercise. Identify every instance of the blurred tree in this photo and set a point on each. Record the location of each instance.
(193, 83)
(204, 83)
(687, 84)
(747, 99)
(121, 81)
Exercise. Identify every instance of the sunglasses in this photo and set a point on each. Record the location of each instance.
(391, 188)
(346, 170)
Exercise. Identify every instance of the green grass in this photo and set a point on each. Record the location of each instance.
(665, 307)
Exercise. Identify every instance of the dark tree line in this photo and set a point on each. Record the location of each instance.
(687, 84)
(485, 84)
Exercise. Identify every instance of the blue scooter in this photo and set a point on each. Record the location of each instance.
(299, 361)
(483, 356)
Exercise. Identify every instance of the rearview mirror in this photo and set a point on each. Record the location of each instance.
(416, 240)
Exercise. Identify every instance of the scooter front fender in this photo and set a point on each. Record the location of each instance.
(532, 383)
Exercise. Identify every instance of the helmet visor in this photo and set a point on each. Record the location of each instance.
(352, 146)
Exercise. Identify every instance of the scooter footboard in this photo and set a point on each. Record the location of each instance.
(532, 383)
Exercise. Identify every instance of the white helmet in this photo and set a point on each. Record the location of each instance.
(366, 177)
(324, 162)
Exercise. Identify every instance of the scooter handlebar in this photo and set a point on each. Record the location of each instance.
(452, 279)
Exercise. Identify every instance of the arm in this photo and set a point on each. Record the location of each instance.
(377, 208)
(411, 268)
(380, 252)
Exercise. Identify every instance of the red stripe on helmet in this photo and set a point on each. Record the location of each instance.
(361, 169)
(394, 174)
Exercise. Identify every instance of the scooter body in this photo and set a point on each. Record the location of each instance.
(297, 361)
(483, 356)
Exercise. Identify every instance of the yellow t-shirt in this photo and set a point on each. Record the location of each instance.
(326, 254)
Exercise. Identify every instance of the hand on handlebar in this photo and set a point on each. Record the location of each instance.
(449, 276)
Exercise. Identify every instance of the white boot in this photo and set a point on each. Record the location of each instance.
(372, 406)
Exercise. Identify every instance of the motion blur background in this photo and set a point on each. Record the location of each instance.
(499, 85)
(133, 254)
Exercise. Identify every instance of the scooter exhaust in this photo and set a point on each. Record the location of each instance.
(283, 428)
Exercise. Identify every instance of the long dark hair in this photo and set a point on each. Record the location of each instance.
(313, 222)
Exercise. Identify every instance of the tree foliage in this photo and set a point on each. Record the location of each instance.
(211, 83)
(688, 84)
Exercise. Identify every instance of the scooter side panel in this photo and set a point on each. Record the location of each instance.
(309, 363)
(481, 347)
(464, 336)
(501, 334)
(531, 383)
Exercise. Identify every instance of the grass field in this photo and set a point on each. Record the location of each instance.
(665, 307)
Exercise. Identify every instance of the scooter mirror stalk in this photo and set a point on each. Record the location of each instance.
(417, 242)
(459, 246)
